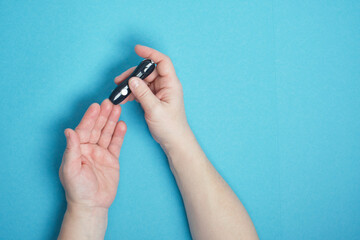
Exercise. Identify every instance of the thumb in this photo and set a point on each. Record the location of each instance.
(72, 151)
(143, 94)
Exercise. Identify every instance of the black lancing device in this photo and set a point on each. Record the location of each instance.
(122, 91)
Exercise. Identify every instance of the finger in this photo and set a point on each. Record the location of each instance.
(152, 87)
(87, 123)
(143, 94)
(108, 130)
(125, 100)
(124, 75)
(128, 99)
(152, 76)
(72, 152)
(105, 110)
(131, 98)
(117, 139)
(164, 64)
(127, 73)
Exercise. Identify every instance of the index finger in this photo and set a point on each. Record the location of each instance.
(124, 75)
(164, 64)
(127, 73)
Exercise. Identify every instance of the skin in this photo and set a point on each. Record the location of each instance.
(90, 167)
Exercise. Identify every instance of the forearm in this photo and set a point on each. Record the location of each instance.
(84, 223)
(212, 208)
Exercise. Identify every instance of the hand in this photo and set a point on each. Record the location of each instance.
(89, 170)
(161, 97)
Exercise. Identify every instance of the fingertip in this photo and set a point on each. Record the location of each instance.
(106, 105)
(137, 46)
(71, 138)
(139, 49)
(105, 100)
(70, 133)
(94, 108)
(94, 105)
(120, 129)
(67, 132)
(122, 126)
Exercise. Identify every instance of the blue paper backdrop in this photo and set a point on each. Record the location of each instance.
(272, 91)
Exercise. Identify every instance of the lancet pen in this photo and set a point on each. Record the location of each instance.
(122, 91)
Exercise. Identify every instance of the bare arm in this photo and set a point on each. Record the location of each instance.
(212, 208)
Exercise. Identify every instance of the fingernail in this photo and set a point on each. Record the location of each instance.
(134, 83)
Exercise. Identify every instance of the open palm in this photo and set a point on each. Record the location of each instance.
(90, 168)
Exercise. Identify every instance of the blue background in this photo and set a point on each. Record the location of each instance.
(272, 92)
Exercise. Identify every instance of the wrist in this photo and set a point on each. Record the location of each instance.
(183, 152)
(174, 141)
(81, 211)
(83, 222)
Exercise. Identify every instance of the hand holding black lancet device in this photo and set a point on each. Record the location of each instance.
(122, 91)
